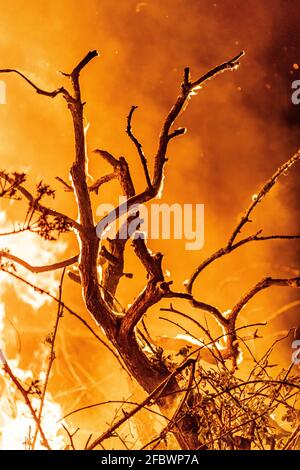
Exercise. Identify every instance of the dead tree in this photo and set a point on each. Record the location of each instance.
(150, 370)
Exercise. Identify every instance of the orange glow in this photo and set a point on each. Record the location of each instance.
(241, 127)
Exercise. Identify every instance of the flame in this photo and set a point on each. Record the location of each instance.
(17, 426)
(35, 251)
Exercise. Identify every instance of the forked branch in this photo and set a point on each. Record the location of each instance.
(187, 89)
(266, 282)
(37, 206)
(257, 198)
(232, 245)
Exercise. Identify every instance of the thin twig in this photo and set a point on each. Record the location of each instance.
(107, 402)
(67, 186)
(230, 248)
(154, 394)
(76, 315)
(40, 207)
(262, 193)
(176, 415)
(245, 218)
(265, 283)
(138, 145)
(70, 436)
(39, 269)
(24, 393)
(51, 355)
(40, 91)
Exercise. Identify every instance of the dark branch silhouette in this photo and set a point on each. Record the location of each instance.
(186, 402)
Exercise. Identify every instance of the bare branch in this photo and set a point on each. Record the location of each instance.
(177, 132)
(89, 56)
(67, 186)
(138, 145)
(88, 441)
(51, 356)
(92, 188)
(262, 193)
(87, 238)
(186, 90)
(229, 248)
(24, 393)
(74, 276)
(151, 295)
(257, 198)
(100, 181)
(39, 207)
(153, 395)
(108, 157)
(15, 232)
(230, 65)
(68, 309)
(40, 91)
(266, 282)
(70, 436)
(39, 269)
(258, 238)
(114, 271)
(164, 138)
(107, 402)
(293, 439)
(199, 305)
(179, 411)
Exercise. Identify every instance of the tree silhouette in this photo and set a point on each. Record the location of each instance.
(176, 389)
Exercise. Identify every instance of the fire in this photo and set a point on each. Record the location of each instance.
(35, 251)
(17, 426)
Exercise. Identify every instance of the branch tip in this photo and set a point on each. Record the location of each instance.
(89, 56)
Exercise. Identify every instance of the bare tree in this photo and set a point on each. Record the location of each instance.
(166, 385)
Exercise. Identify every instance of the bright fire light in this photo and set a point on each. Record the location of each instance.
(17, 426)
